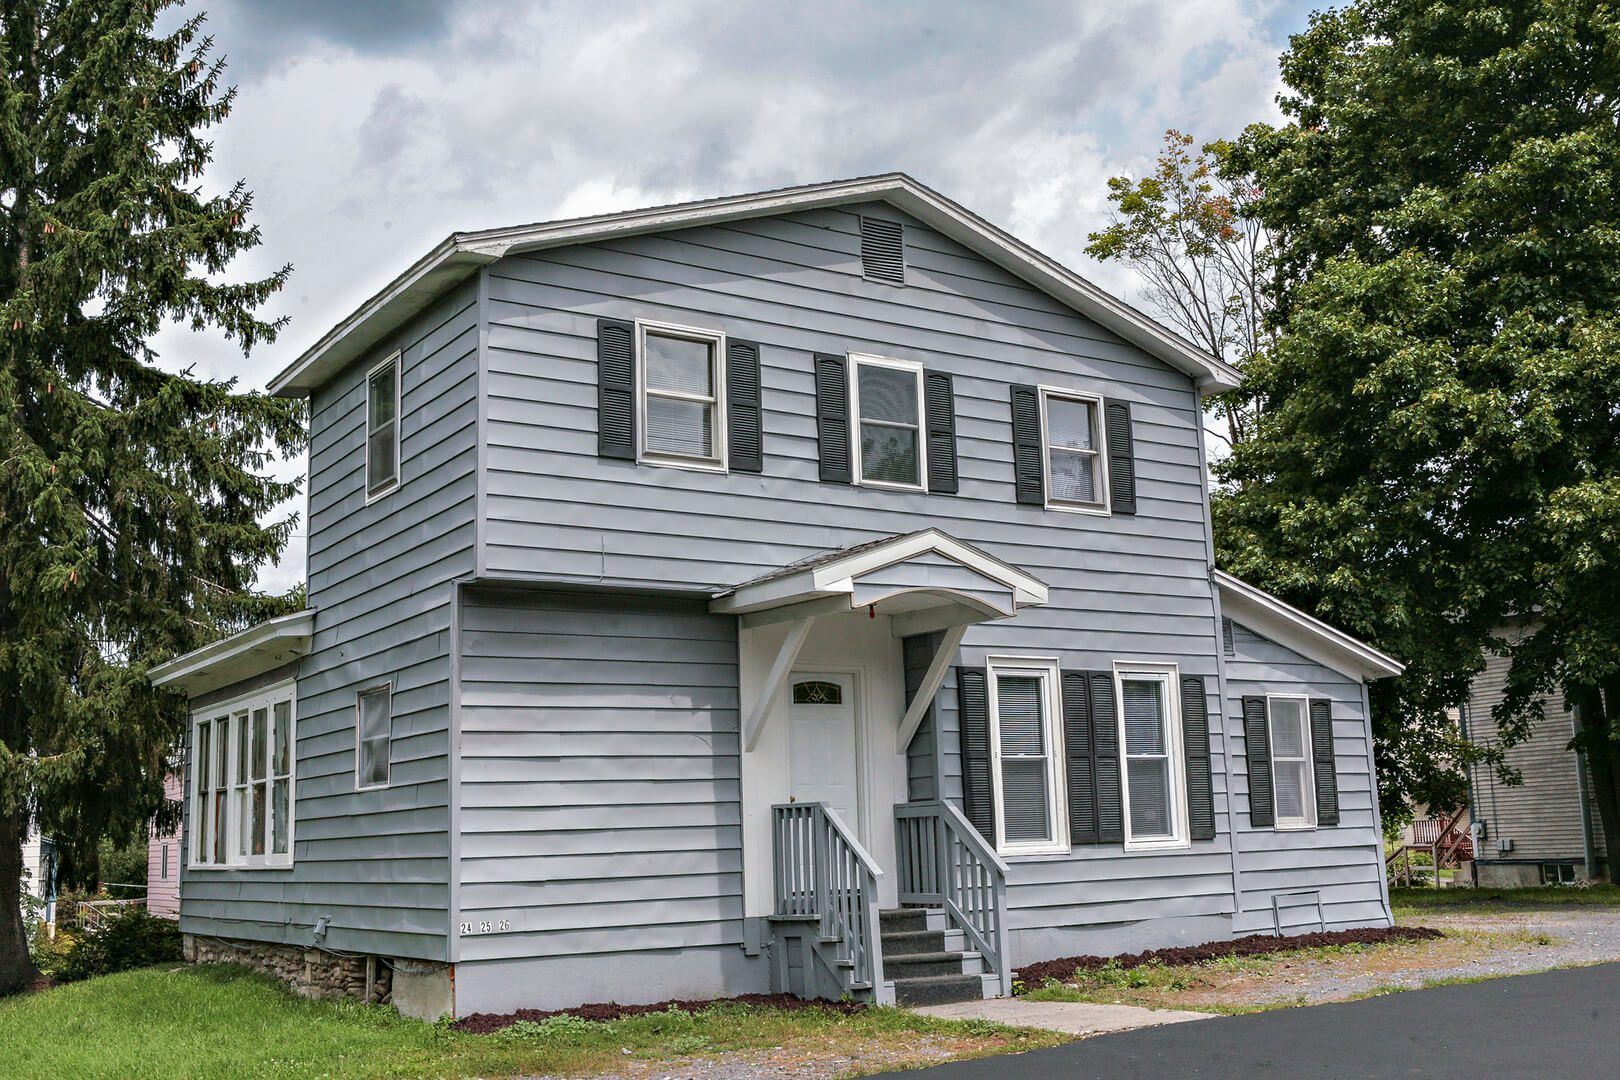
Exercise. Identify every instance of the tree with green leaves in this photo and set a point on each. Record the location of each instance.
(1188, 231)
(131, 497)
(1438, 452)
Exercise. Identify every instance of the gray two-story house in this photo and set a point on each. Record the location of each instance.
(807, 590)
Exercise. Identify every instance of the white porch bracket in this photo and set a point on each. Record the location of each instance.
(929, 686)
(797, 634)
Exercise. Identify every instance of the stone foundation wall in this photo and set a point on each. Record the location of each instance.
(310, 973)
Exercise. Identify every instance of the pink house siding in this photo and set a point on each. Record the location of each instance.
(163, 864)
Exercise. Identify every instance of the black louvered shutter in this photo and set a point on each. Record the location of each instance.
(1105, 750)
(744, 442)
(615, 389)
(1257, 747)
(978, 793)
(940, 413)
(1029, 468)
(1327, 776)
(1121, 458)
(1195, 748)
(1080, 751)
(832, 418)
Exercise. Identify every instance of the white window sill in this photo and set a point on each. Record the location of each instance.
(1049, 851)
(233, 867)
(1157, 845)
(381, 493)
(1066, 508)
(1303, 826)
(692, 465)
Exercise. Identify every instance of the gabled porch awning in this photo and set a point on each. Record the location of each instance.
(924, 581)
(927, 580)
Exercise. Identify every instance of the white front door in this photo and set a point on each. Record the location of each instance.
(823, 745)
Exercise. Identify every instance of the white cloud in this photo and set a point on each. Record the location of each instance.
(366, 143)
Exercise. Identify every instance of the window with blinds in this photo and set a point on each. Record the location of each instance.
(1293, 785)
(1027, 757)
(682, 385)
(888, 397)
(1152, 762)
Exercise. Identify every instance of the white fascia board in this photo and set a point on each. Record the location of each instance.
(1305, 634)
(461, 254)
(241, 656)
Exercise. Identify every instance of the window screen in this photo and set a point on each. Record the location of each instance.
(889, 404)
(376, 730)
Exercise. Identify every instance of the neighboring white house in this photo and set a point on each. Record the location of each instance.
(39, 868)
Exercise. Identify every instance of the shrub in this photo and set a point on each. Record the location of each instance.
(130, 939)
(50, 953)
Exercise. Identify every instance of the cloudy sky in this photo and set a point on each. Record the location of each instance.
(369, 129)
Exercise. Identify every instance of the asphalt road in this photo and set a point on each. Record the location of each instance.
(1557, 1023)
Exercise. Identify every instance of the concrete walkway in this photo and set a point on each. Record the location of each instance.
(1073, 1017)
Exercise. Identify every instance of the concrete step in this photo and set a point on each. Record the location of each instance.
(910, 920)
(938, 989)
(916, 965)
(903, 942)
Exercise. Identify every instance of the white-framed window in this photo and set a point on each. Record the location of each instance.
(382, 428)
(1154, 781)
(1293, 777)
(243, 759)
(1073, 442)
(681, 395)
(1026, 751)
(886, 404)
(373, 736)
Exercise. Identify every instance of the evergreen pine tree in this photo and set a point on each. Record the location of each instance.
(130, 496)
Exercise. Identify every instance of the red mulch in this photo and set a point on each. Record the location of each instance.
(484, 1023)
(1034, 975)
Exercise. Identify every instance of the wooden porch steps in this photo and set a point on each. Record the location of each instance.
(926, 963)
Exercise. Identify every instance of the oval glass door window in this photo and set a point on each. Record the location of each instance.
(817, 692)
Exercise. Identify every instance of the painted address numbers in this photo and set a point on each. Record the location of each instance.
(497, 926)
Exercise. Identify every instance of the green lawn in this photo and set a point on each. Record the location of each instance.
(1417, 901)
(221, 1021)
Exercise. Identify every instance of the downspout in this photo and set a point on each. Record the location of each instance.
(1220, 680)
(1378, 817)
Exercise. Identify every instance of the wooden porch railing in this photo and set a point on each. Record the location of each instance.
(822, 871)
(1444, 840)
(944, 862)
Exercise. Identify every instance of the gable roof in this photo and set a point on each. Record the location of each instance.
(460, 255)
(1307, 635)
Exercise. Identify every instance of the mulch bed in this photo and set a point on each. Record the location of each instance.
(484, 1023)
(1036, 975)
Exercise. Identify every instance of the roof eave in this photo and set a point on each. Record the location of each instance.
(461, 254)
(241, 656)
(1305, 634)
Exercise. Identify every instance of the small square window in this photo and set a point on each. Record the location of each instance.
(887, 405)
(374, 737)
(682, 396)
(382, 428)
(1072, 439)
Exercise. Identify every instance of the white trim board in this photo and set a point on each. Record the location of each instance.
(241, 656)
(1305, 634)
(461, 254)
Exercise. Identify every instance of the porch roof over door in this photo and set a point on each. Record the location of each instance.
(926, 580)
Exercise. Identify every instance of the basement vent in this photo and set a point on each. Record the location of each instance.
(883, 255)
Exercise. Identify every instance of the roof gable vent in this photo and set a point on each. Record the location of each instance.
(883, 255)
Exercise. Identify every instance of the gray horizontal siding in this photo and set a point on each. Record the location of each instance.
(375, 862)
(1542, 815)
(1120, 587)
(600, 803)
(1342, 863)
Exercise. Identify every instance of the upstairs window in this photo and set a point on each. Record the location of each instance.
(242, 764)
(382, 428)
(374, 737)
(1072, 440)
(1291, 766)
(682, 396)
(886, 401)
